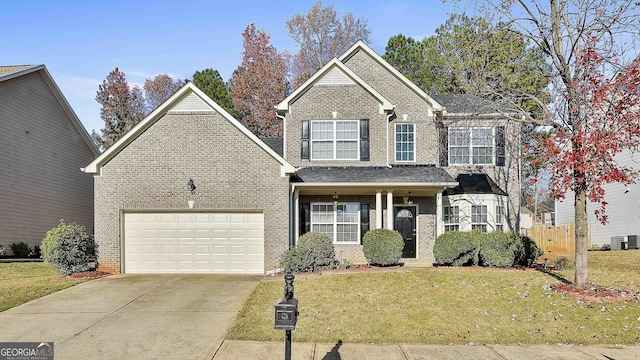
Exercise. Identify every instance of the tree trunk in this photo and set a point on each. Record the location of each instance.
(582, 237)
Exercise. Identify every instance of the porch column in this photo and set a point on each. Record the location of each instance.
(379, 209)
(390, 209)
(296, 215)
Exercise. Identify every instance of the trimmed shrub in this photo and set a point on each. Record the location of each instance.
(314, 251)
(531, 250)
(382, 246)
(455, 248)
(35, 252)
(68, 248)
(21, 249)
(499, 249)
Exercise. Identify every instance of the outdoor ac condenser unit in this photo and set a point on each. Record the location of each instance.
(616, 242)
(632, 241)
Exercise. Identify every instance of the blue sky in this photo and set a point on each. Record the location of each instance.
(80, 42)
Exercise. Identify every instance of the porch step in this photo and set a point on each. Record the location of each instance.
(412, 263)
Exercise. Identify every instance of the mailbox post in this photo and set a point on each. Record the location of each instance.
(286, 313)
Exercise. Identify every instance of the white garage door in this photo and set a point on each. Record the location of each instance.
(194, 242)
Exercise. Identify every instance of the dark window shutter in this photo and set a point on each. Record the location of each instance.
(500, 151)
(364, 139)
(443, 144)
(364, 220)
(305, 218)
(304, 145)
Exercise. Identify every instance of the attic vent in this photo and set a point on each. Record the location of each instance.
(334, 77)
(191, 103)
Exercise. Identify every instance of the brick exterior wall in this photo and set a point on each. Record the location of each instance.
(229, 170)
(41, 153)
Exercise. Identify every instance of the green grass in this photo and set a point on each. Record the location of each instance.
(450, 306)
(23, 282)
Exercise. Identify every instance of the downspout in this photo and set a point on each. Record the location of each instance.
(284, 134)
(390, 117)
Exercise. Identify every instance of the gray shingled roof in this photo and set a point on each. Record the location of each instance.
(10, 70)
(426, 174)
(465, 103)
(274, 143)
(475, 184)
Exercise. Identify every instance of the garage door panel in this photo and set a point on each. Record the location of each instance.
(194, 242)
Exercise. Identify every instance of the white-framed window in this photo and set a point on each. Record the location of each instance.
(451, 217)
(500, 218)
(405, 142)
(341, 222)
(471, 146)
(479, 217)
(335, 139)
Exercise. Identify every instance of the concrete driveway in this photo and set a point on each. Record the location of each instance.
(133, 316)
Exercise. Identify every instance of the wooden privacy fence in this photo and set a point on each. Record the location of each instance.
(554, 239)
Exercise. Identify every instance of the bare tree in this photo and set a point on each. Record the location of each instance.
(585, 41)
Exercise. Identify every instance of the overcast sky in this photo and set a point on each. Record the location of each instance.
(80, 42)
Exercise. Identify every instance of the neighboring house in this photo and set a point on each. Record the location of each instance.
(363, 148)
(42, 146)
(623, 211)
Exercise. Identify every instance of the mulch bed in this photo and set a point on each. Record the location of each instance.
(83, 275)
(595, 293)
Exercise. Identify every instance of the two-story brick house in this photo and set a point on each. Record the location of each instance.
(373, 150)
(363, 148)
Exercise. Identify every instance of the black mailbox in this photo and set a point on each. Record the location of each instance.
(286, 314)
(286, 310)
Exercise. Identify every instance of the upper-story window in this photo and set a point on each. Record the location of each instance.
(405, 142)
(471, 146)
(334, 140)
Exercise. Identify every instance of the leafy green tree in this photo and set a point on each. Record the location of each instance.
(211, 83)
(122, 108)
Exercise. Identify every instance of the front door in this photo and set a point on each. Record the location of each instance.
(405, 224)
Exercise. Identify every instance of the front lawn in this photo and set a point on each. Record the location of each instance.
(450, 306)
(23, 282)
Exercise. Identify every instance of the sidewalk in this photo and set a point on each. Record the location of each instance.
(255, 350)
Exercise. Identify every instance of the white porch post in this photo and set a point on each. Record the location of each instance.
(390, 209)
(296, 215)
(379, 209)
(439, 218)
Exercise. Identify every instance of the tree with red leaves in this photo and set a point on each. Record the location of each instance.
(122, 108)
(594, 117)
(259, 83)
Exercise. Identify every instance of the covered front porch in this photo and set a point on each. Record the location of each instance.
(346, 202)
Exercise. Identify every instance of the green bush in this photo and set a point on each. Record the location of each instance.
(314, 251)
(21, 249)
(382, 246)
(68, 248)
(531, 250)
(36, 253)
(455, 248)
(499, 249)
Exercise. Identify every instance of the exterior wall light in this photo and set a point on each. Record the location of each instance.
(191, 186)
(335, 198)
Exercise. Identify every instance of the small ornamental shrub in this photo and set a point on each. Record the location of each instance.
(561, 263)
(382, 246)
(315, 251)
(499, 249)
(455, 248)
(21, 249)
(68, 248)
(531, 250)
(35, 252)
(1, 250)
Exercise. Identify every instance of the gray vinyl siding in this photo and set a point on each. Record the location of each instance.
(623, 209)
(41, 153)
